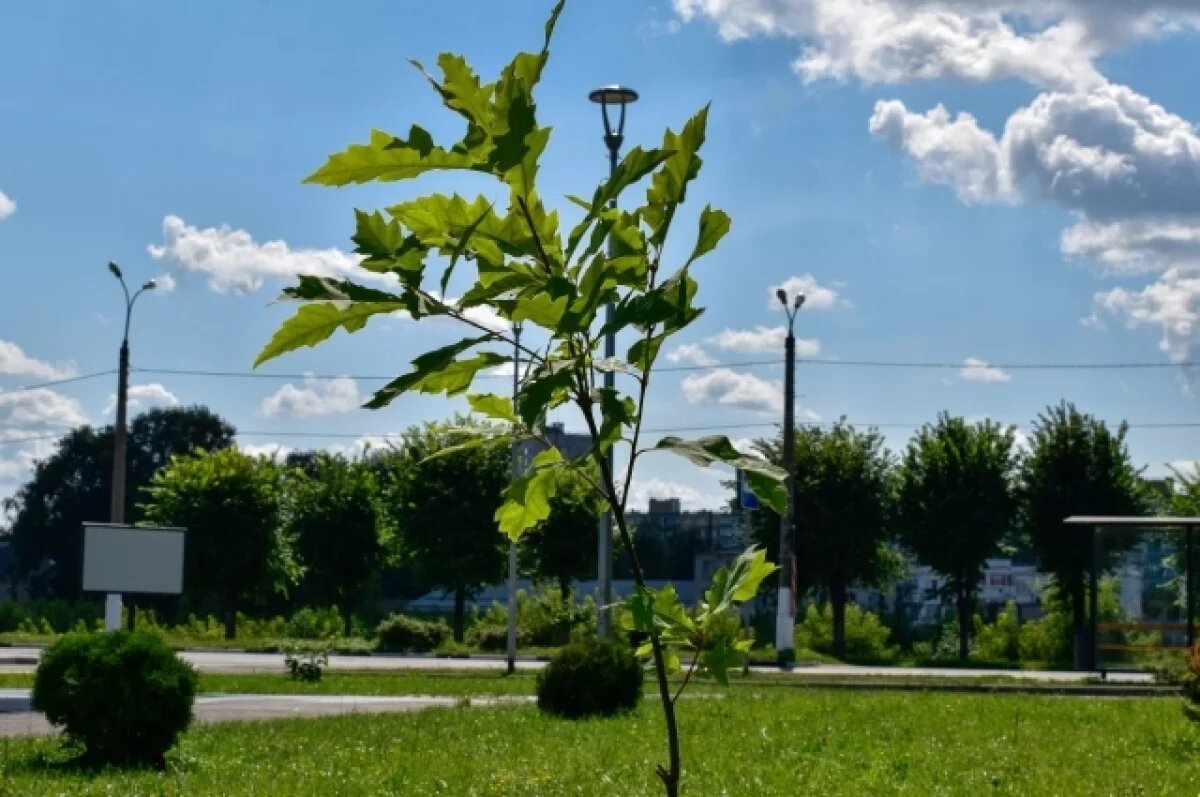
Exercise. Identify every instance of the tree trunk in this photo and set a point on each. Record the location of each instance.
(964, 624)
(837, 600)
(460, 612)
(231, 614)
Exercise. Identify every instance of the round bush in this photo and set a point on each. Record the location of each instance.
(124, 696)
(402, 634)
(592, 677)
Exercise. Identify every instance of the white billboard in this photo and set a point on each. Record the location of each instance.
(132, 559)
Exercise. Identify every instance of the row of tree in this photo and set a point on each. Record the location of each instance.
(318, 524)
(957, 495)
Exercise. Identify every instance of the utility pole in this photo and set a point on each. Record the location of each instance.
(785, 613)
(618, 97)
(512, 545)
(116, 511)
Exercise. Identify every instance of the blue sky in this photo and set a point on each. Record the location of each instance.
(1057, 221)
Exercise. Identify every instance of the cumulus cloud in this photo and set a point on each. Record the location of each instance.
(273, 451)
(816, 295)
(690, 354)
(1172, 303)
(16, 362)
(977, 370)
(317, 397)
(143, 397)
(690, 498)
(39, 409)
(724, 387)
(235, 263)
(164, 283)
(763, 340)
(7, 206)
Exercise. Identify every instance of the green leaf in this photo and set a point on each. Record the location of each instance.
(764, 479)
(527, 499)
(737, 583)
(714, 225)
(461, 246)
(668, 187)
(636, 164)
(435, 369)
(314, 323)
(544, 390)
(641, 609)
(718, 659)
(644, 352)
(618, 412)
(389, 158)
(324, 289)
(385, 247)
(615, 364)
(493, 406)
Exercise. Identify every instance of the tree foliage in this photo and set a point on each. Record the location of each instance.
(519, 262)
(1076, 466)
(72, 486)
(845, 501)
(558, 550)
(956, 502)
(230, 504)
(343, 535)
(442, 497)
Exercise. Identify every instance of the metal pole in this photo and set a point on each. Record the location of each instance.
(785, 621)
(604, 533)
(1190, 581)
(512, 545)
(1094, 604)
(116, 511)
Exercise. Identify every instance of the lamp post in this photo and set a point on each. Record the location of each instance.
(616, 97)
(517, 466)
(116, 511)
(785, 618)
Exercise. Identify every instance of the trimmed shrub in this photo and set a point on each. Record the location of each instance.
(125, 697)
(592, 677)
(401, 634)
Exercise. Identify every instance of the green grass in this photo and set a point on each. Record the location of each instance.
(752, 742)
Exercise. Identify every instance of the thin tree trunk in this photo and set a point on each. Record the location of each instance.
(460, 612)
(837, 601)
(231, 613)
(964, 624)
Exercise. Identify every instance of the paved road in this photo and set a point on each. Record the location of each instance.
(225, 661)
(16, 718)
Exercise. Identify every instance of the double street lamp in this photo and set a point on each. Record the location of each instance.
(613, 98)
(785, 615)
(116, 511)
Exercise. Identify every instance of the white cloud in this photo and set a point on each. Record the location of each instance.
(17, 363)
(977, 370)
(366, 443)
(164, 283)
(1172, 303)
(7, 206)
(643, 490)
(39, 409)
(816, 295)
(688, 354)
(726, 388)
(274, 451)
(235, 263)
(143, 397)
(769, 340)
(317, 397)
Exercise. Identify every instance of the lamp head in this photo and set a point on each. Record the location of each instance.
(781, 294)
(800, 297)
(613, 95)
(115, 269)
(150, 285)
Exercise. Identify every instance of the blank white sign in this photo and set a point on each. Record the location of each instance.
(132, 559)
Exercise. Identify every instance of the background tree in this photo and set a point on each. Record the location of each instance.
(556, 550)
(73, 484)
(230, 505)
(956, 503)
(1076, 466)
(443, 508)
(845, 501)
(341, 531)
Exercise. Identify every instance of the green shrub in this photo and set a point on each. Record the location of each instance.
(398, 633)
(594, 677)
(544, 619)
(999, 641)
(12, 616)
(124, 696)
(866, 636)
(310, 623)
(306, 661)
(494, 638)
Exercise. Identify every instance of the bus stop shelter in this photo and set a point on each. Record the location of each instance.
(1087, 649)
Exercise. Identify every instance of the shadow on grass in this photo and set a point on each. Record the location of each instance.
(65, 759)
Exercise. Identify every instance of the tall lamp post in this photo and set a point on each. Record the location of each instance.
(785, 615)
(116, 511)
(517, 467)
(617, 98)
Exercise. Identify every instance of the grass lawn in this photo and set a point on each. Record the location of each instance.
(752, 742)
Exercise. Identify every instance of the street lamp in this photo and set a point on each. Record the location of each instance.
(617, 98)
(785, 614)
(516, 468)
(116, 512)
